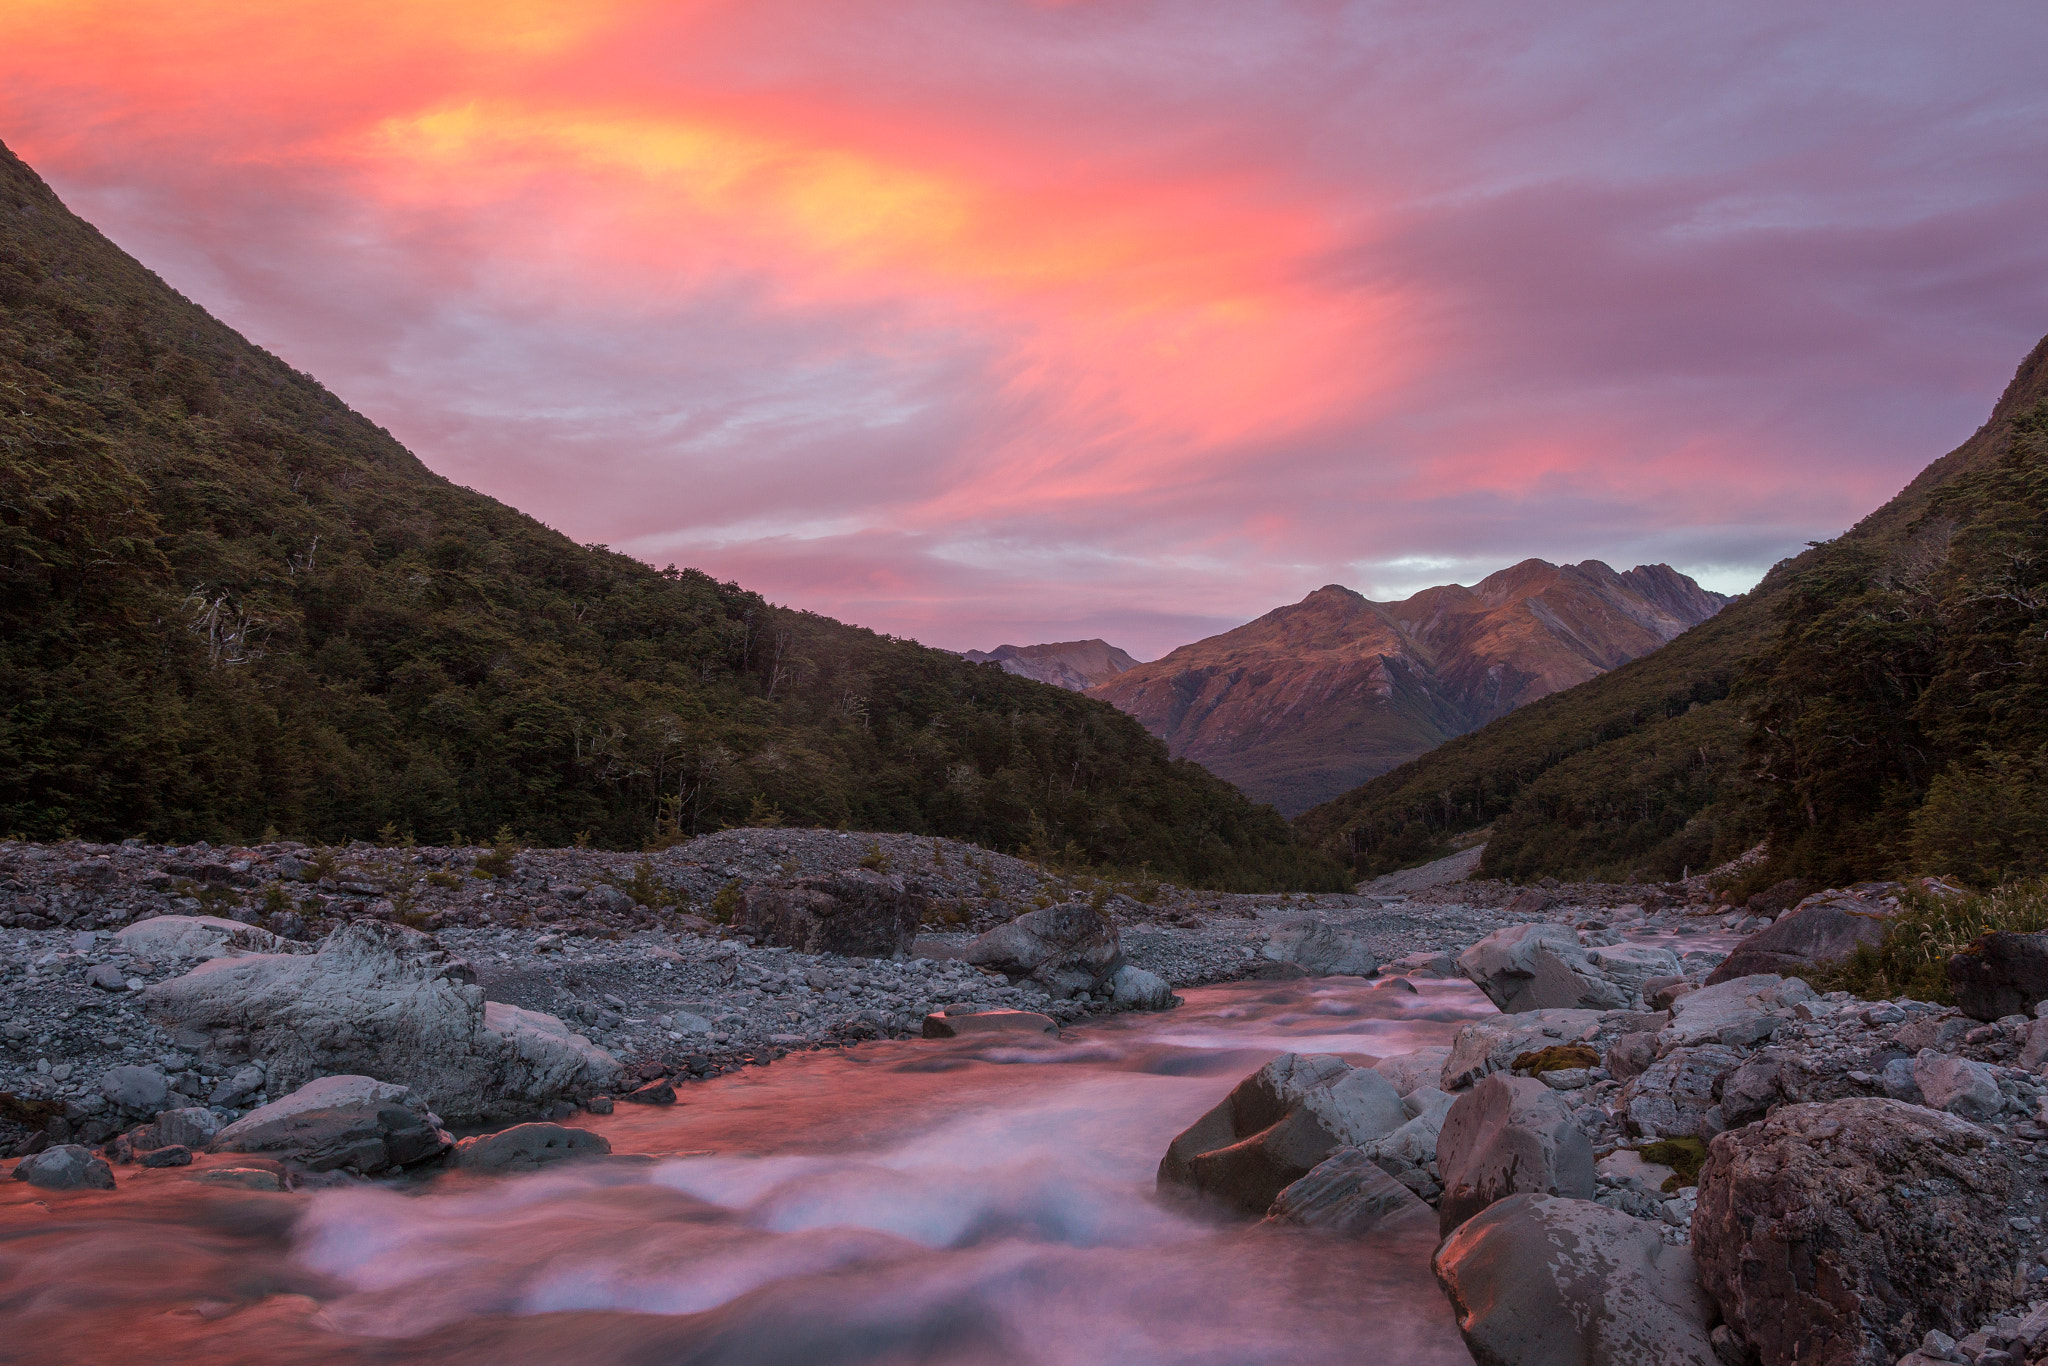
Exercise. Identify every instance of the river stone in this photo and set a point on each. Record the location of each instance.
(528, 1147)
(1739, 1012)
(1957, 1085)
(1678, 1096)
(1539, 1280)
(1839, 1233)
(65, 1167)
(1322, 950)
(1629, 1056)
(1509, 1136)
(2000, 974)
(857, 912)
(1409, 1153)
(1133, 988)
(193, 1126)
(1276, 1126)
(385, 1000)
(1630, 966)
(170, 1155)
(942, 1024)
(357, 1123)
(196, 936)
(1492, 1044)
(1423, 1067)
(137, 1089)
(1539, 967)
(1348, 1193)
(1820, 930)
(1066, 949)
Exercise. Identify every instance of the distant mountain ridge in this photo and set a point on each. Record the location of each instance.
(1076, 665)
(1314, 698)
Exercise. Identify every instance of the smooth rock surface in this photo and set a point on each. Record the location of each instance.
(942, 1024)
(1066, 949)
(1819, 930)
(197, 936)
(1276, 1126)
(352, 1122)
(134, 1088)
(1490, 1045)
(1133, 988)
(528, 1147)
(1957, 1085)
(1322, 950)
(1348, 1193)
(1509, 1136)
(1841, 1232)
(65, 1167)
(1540, 1280)
(1739, 1012)
(1539, 967)
(1678, 1096)
(380, 999)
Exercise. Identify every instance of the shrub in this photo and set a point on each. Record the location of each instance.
(1912, 958)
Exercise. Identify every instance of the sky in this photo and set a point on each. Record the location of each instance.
(1003, 321)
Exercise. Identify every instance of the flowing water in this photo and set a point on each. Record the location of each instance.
(954, 1203)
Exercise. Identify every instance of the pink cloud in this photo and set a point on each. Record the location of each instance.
(996, 321)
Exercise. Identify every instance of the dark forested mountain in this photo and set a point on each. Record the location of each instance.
(227, 603)
(1876, 703)
(1317, 696)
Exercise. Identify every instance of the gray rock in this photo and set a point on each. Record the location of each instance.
(138, 1090)
(170, 1155)
(191, 1127)
(1739, 1012)
(1957, 1085)
(379, 998)
(1630, 1055)
(1323, 950)
(1490, 1045)
(941, 1024)
(1509, 1136)
(1276, 1126)
(196, 936)
(1539, 967)
(65, 1167)
(1538, 1280)
(1842, 1231)
(1820, 930)
(1895, 1079)
(1631, 966)
(856, 912)
(1678, 1096)
(528, 1147)
(354, 1123)
(235, 1088)
(1348, 1193)
(1409, 1153)
(2000, 974)
(607, 899)
(106, 977)
(1066, 949)
(2034, 1052)
(1423, 1067)
(1133, 988)
(1749, 1092)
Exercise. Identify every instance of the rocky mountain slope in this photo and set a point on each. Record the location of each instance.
(1076, 665)
(229, 603)
(1657, 766)
(1315, 697)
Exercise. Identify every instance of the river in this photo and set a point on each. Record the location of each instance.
(957, 1203)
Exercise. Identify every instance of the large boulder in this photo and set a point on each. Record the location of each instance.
(355, 1123)
(528, 1147)
(1133, 988)
(379, 999)
(1957, 1085)
(1840, 1233)
(1509, 1136)
(2000, 974)
(1540, 967)
(1739, 1011)
(135, 1088)
(1066, 949)
(1321, 950)
(1679, 1095)
(1820, 930)
(66, 1167)
(1409, 1153)
(955, 1024)
(1540, 1280)
(1348, 1193)
(856, 912)
(167, 937)
(1276, 1126)
(1492, 1044)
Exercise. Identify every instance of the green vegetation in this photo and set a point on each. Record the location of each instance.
(228, 603)
(1685, 1157)
(1875, 705)
(1912, 958)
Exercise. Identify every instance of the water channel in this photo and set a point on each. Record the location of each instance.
(957, 1203)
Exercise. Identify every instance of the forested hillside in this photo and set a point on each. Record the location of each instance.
(228, 603)
(1867, 706)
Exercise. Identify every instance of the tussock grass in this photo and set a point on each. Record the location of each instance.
(1912, 959)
